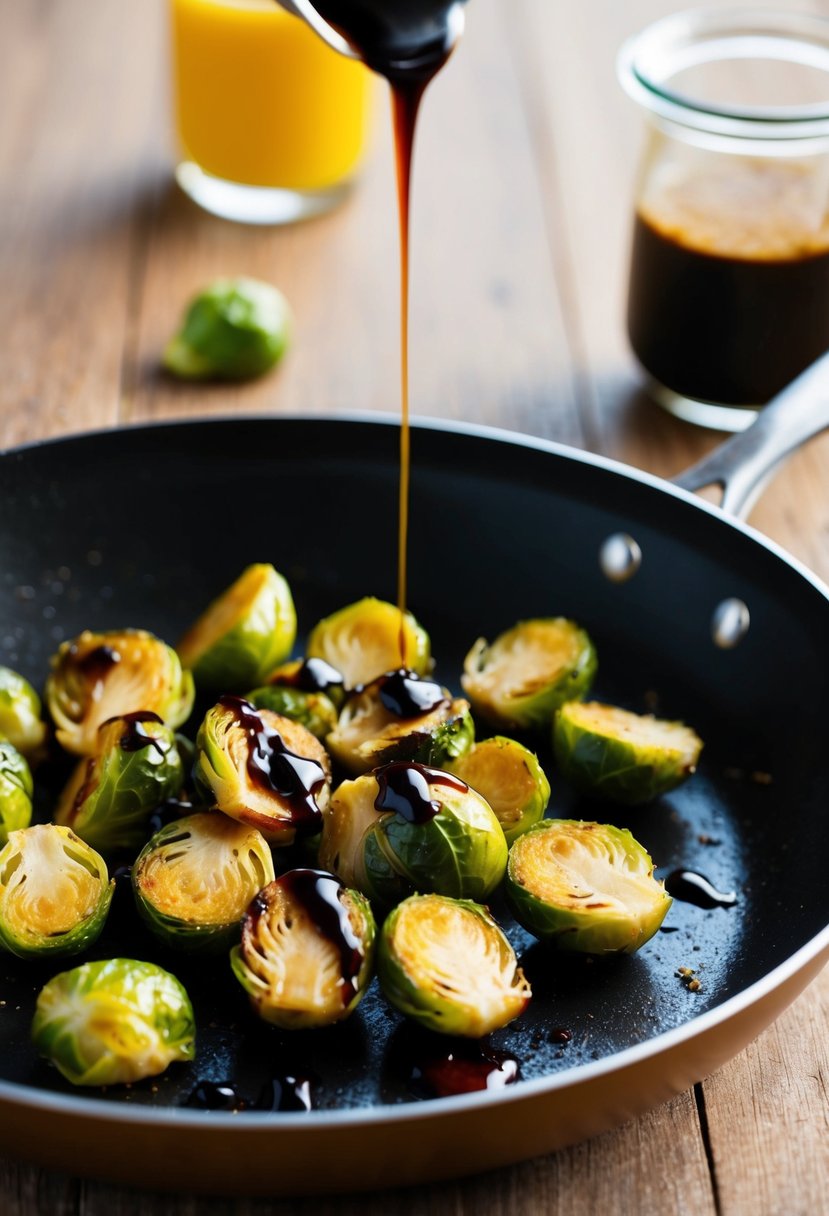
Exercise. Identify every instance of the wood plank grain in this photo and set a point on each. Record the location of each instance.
(486, 331)
(768, 1115)
(648, 1166)
(74, 160)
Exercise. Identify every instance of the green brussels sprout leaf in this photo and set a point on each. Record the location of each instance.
(15, 791)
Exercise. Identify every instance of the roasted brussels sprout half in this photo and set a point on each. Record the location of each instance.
(511, 779)
(54, 892)
(110, 797)
(525, 674)
(313, 710)
(408, 828)
(100, 675)
(262, 769)
(401, 717)
(20, 720)
(243, 634)
(626, 757)
(310, 675)
(195, 878)
(15, 791)
(114, 1021)
(585, 887)
(306, 951)
(233, 330)
(367, 638)
(448, 965)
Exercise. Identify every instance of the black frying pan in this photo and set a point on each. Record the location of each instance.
(144, 526)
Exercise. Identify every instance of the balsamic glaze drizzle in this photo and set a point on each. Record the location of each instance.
(405, 695)
(693, 888)
(404, 789)
(273, 767)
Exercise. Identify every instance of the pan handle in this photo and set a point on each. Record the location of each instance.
(743, 464)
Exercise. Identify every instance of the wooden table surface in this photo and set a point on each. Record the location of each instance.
(522, 205)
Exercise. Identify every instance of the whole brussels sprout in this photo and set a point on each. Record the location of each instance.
(313, 710)
(194, 880)
(15, 791)
(102, 675)
(113, 1022)
(262, 769)
(20, 720)
(448, 965)
(365, 639)
(306, 951)
(518, 681)
(626, 757)
(110, 797)
(55, 892)
(243, 634)
(410, 828)
(511, 779)
(233, 330)
(400, 717)
(585, 887)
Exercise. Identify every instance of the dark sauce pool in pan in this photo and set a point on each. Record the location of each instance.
(694, 888)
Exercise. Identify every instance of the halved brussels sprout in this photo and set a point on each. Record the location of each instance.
(526, 673)
(20, 720)
(100, 675)
(510, 778)
(627, 757)
(15, 791)
(410, 828)
(585, 887)
(234, 329)
(55, 892)
(447, 964)
(195, 878)
(110, 797)
(243, 634)
(313, 710)
(113, 1022)
(365, 639)
(306, 951)
(401, 717)
(310, 675)
(262, 769)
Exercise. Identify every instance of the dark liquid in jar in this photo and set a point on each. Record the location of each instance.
(734, 330)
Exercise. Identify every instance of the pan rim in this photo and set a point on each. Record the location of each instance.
(44, 1101)
(431, 423)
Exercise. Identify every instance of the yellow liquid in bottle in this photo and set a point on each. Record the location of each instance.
(261, 100)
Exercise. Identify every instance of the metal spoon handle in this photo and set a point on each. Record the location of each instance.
(301, 8)
(743, 464)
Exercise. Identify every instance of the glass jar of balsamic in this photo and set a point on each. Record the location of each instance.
(729, 279)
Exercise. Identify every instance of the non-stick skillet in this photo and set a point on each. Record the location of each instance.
(143, 526)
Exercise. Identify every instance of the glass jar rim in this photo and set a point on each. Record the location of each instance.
(682, 39)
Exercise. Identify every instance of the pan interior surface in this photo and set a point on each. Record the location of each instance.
(144, 527)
